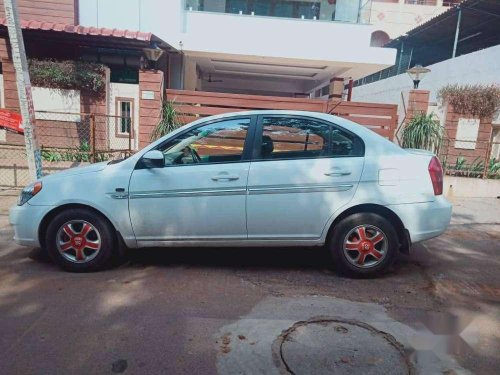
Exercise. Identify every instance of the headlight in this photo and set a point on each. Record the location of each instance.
(29, 192)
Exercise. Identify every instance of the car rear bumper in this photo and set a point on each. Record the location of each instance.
(424, 220)
(25, 221)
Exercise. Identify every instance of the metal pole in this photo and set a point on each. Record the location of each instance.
(487, 156)
(457, 31)
(23, 89)
(92, 138)
(400, 56)
(349, 90)
(140, 14)
(130, 130)
(411, 57)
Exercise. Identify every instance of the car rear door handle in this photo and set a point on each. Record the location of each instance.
(338, 173)
(225, 177)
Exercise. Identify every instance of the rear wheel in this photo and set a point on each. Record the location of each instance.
(80, 240)
(363, 244)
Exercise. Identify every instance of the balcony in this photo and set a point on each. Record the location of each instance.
(353, 11)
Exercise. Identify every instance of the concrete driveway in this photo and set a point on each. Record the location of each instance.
(257, 310)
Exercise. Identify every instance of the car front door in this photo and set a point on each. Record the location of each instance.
(200, 193)
(303, 171)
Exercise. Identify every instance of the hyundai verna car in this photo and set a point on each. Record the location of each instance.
(258, 178)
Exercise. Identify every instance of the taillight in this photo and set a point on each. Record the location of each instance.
(436, 173)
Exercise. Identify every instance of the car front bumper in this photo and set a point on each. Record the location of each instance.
(26, 220)
(424, 220)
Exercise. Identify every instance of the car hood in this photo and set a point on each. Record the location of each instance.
(78, 170)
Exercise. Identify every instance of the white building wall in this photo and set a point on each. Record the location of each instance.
(398, 18)
(239, 34)
(281, 37)
(165, 18)
(480, 67)
(56, 100)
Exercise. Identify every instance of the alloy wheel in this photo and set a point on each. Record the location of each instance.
(78, 241)
(365, 246)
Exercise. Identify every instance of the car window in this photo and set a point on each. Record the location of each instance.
(218, 142)
(297, 138)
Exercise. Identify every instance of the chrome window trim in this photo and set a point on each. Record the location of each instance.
(286, 189)
(255, 190)
(187, 193)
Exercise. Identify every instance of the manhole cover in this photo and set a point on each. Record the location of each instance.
(340, 347)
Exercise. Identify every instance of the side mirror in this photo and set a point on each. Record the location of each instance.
(153, 159)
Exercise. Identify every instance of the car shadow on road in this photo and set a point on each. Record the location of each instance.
(312, 259)
(261, 257)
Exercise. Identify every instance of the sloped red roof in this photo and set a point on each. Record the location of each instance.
(83, 30)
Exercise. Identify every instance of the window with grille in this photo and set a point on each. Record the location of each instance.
(124, 113)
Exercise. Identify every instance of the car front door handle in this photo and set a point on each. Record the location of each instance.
(225, 177)
(338, 173)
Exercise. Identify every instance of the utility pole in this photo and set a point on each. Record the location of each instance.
(23, 88)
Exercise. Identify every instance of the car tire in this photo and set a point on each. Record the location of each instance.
(363, 245)
(80, 240)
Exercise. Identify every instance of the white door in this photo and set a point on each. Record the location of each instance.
(200, 193)
(306, 170)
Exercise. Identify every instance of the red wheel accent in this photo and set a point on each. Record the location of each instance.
(361, 233)
(85, 229)
(352, 245)
(92, 245)
(361, 259)
(66, 246)
(379, 237)
(377, 254)
(69, 231)
(79, 254)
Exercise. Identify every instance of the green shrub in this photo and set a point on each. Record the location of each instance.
(476, 100)
(473, 169)
(424, 132)
(69, 75)
(82, 153)
(493, 169)
(168, 123)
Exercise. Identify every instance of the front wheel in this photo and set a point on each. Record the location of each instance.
(363, 244)
(79, 240)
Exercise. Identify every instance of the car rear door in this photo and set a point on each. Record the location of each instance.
(200, 194)
(302, 171)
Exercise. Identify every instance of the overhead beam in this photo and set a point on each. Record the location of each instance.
(457, 32)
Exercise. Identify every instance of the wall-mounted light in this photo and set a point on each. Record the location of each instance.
(417, 73)
(153, 53)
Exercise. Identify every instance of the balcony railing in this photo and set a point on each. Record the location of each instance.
(353, 11)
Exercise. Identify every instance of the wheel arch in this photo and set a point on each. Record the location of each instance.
(42, 228)
(402, 232)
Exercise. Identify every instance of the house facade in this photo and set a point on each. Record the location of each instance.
(281, 48)
(108, 119)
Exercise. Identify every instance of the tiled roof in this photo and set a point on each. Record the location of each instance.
(83, 30)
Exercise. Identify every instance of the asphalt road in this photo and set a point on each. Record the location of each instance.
(257, 310)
